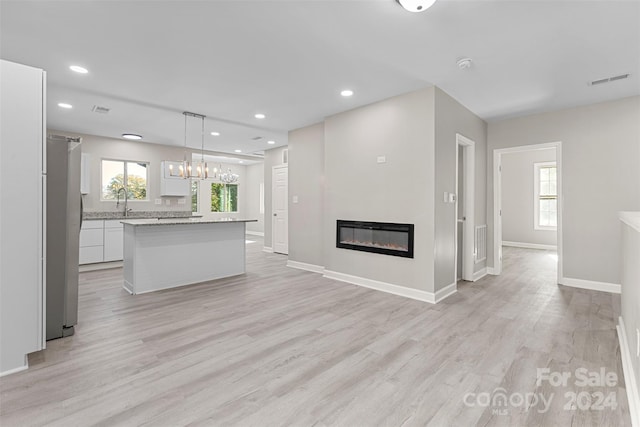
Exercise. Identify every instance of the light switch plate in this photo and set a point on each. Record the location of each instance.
(167, 202)
(158, 201)
(295, 199)
(382, 159)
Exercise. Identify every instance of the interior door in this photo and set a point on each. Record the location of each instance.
(280, 209)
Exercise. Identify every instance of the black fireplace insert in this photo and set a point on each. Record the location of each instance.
(377, 237)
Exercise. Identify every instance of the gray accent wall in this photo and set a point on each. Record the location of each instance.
(600, 158)
(272, 158)
(518, 193)
(306, 185)
(400, 190)
(451, 118)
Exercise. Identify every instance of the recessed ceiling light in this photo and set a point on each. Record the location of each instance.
(64, 105)
(78, 69)
(271, 142)
(215, 133)
(259, 116)
(346, 92)
(238, 151)
(241, 161)
(131, 136)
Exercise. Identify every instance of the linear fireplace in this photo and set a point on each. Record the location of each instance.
(377, 237)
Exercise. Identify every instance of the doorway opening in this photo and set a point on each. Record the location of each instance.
(465, 208)
(539, 208)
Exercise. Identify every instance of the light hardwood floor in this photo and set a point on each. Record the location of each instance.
(279, 347)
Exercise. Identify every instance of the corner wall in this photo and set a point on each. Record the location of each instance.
(401, 190)
(451, 118)
(600, 158)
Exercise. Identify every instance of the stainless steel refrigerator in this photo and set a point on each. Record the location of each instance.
(64, 219)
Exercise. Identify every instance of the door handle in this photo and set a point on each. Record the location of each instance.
(275, 214)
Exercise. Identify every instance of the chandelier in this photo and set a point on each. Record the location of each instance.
(228, 177)
(188, 169)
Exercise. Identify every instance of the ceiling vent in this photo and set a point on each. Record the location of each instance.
(256, 138)
(608, 79)
(101, 110)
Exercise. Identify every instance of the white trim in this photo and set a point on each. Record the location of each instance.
(18, 369)
(536, 196)
(304, 266)
(613, 288)
(492, 271)
(267, 249)
(255, 233)
(468, 235)
(529, 245)
(389, 288)
(497, 201)
(633, 393)
(480, 274)
(445, 292)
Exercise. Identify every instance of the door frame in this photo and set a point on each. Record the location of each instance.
(468, 239)
(497, 200)
(273, 197)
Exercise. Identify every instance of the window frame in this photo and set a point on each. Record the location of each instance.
(126, 178)
(237, 197)
(537, 197)
(198, 196)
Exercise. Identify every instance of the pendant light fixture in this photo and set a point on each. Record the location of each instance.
(186, 170)
(228, 177)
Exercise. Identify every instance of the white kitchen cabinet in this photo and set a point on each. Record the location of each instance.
(91, 242)
(173, 185)
(113, 240)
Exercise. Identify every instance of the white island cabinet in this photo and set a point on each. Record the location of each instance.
(161, 254)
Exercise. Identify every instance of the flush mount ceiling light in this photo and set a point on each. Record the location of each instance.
(346, 93)
(131, 136)
(416, 5)
(259, 116)
(64, 105)
(238, 151)
(78, 69)
(271, 142)
(215, 133)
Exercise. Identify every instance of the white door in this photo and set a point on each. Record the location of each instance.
(280, 209)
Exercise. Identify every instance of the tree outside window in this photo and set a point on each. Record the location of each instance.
(224, 197)
(117, 174)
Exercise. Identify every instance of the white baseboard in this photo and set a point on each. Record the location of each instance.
(530, 245)
(304, 266)
(479, 274)
(445, 292)
(18, 369)
(267, 249)
(613, 288)
(390, 288)
(491, 270)
(255, 233)
(633, 393)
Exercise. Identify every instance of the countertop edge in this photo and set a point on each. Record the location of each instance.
(179, 221)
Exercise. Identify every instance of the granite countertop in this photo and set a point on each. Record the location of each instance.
(632, 219)
(138, 214)
(182, 221)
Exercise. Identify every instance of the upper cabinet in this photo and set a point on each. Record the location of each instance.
(170, 184)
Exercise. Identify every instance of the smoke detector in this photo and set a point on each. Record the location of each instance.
(416, 5)
(464, 63)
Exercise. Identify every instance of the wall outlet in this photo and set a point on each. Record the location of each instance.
(182, 201)
(167, 202)
(295, 199)
(158, 201)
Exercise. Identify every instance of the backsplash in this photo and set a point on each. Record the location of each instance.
(137, 214)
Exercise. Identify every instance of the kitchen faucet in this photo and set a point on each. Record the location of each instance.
(126, 199)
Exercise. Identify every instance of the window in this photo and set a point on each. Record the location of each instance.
(546, 196)
(117, 174)
(224, 197)
(195, 187)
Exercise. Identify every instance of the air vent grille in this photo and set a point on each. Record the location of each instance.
(256, 138)
(608, 79)
(100, 110)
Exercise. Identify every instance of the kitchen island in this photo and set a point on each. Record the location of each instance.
(167, 253)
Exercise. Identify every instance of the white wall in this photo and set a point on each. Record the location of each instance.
(451, 118)
(306, 182)
(600, 158)
(401, 190)
(518, 203)
(272, 158)
(253, 179)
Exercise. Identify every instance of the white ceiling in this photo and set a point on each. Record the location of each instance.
(151, 60)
